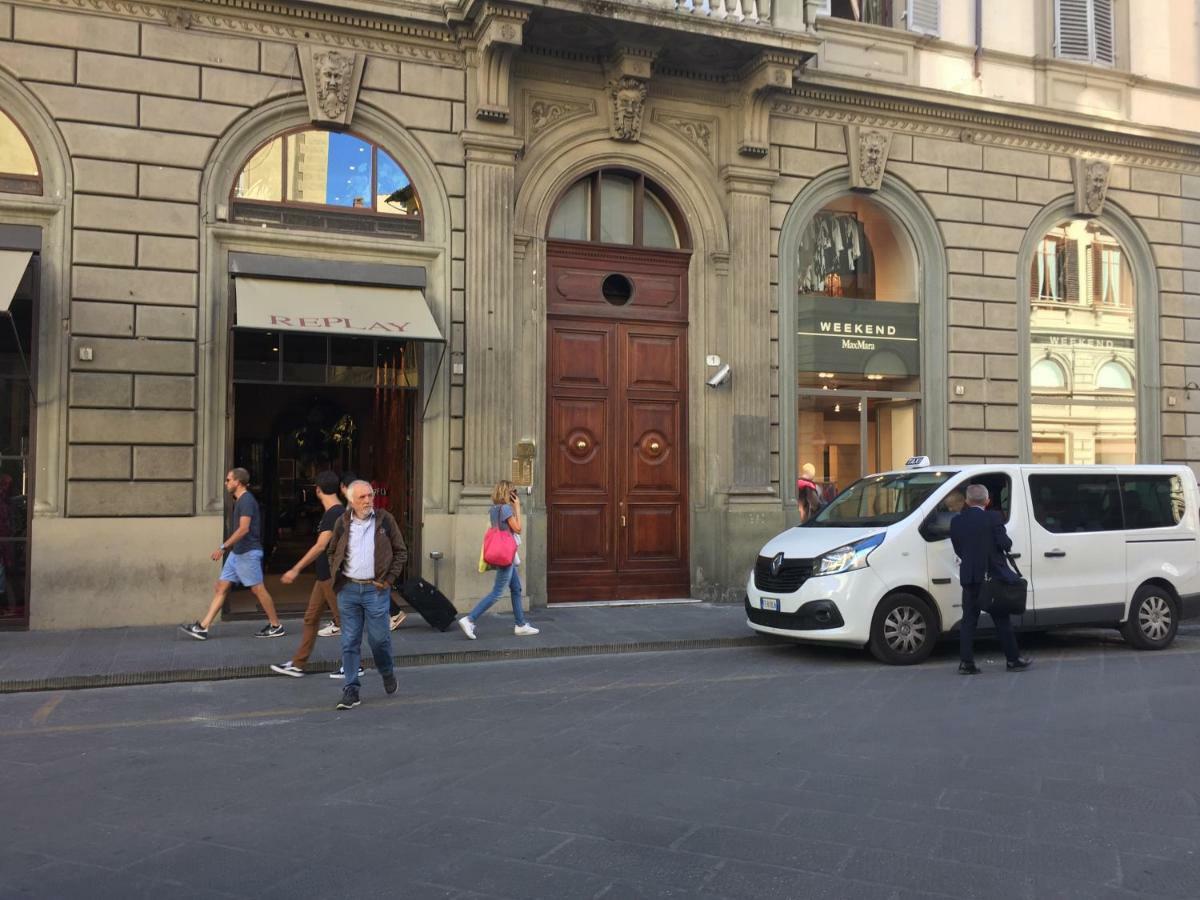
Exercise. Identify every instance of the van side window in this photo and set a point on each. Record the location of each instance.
(1064, 504)
(1152, 501)
(999, 498)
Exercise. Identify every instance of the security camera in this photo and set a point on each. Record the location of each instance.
(720, 376)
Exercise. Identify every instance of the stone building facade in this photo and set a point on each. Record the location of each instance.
(587, 213)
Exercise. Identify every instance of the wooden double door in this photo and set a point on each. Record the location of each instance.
(617, 463)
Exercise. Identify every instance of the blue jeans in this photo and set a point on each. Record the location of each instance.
(358, 603)
(505, 578)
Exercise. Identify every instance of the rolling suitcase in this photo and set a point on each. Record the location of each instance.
(431, 603)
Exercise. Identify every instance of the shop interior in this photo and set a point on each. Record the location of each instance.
(16, 451)
(304, 403)
(858, 409)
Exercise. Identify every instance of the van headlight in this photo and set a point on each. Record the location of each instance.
(847, 558)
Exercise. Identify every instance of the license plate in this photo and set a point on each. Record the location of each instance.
(771, 603)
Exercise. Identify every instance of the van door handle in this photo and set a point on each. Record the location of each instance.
(1054, 554)
(941, 581)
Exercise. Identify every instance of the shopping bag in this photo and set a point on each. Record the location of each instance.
(499, 548)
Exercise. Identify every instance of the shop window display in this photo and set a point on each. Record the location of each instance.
(320, 402)
(857, 339)
(1082, 314)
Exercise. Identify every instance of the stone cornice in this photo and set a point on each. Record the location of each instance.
(1006, 129)
(289, 22)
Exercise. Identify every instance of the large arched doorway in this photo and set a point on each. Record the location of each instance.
(327, 355)
(616, 392)
(858, 354)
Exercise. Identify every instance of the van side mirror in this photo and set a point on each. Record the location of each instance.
(936, 527)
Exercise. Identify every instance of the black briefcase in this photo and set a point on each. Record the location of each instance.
(1000, 597)
(431, 603)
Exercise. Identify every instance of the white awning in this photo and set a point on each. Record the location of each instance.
(347, 310)
(13, 264)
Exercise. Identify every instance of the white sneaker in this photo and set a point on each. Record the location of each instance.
(396, 620)
(341, 672)
(329, 630)
(288, 669)
(525, 631)
(467, 626)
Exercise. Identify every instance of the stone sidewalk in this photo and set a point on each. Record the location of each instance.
(59, 660)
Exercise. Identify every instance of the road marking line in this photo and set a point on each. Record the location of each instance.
(43, 712)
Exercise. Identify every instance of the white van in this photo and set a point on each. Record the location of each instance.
(1111, 546)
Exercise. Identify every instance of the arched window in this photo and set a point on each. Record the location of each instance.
(19, 173)
(1081, 300)
(617, 207)
(329, 180)
(1048, 375)
(1113, 376)
(857, 345)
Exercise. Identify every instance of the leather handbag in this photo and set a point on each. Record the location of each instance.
(499, 548)
(1004, 597)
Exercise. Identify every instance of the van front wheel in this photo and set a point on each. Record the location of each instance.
(1153, 618)
(904, 630)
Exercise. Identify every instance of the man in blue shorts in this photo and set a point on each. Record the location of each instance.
(244, 564)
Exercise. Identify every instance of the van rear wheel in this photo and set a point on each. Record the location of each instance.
(904, 630)
(1153, 618)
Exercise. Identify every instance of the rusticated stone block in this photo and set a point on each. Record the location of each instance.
(136, 285)
(154, 252)
(433, 81)
(199, 47)
(157, 463)
(128, 355)
(127, 498)
(122, 214)
(104, 248)
(102, 389)
(164, 392)
(101, 318)
(98, 461)
(111, 426)
(166, 322)
(66, 29)
(144, 76)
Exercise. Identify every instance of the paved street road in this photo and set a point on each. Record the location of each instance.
(756, 773)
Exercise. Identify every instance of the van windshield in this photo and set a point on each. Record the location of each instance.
(879, 500)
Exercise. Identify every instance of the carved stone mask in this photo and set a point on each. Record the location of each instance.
(629, 98)
(1095, 185)
(333, 72)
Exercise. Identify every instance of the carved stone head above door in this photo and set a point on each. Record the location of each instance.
(331, 82)
(867, 149)
(1091, 185)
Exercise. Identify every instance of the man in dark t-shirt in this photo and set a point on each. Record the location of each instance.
(244, 563)
(322, 593)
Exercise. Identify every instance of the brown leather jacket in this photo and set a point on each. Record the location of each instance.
(390, 552)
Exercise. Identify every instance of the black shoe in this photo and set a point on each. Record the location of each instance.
(195, 631)
(966, 668)
(270, 630)
(1019, 664)
(389, 683)
(349, 697)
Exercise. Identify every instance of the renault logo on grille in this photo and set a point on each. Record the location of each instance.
(776, 563)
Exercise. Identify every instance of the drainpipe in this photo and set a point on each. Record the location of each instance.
(978, 35)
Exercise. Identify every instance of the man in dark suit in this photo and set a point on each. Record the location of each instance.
(980, 542)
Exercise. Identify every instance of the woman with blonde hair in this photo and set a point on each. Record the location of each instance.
(505, 514)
